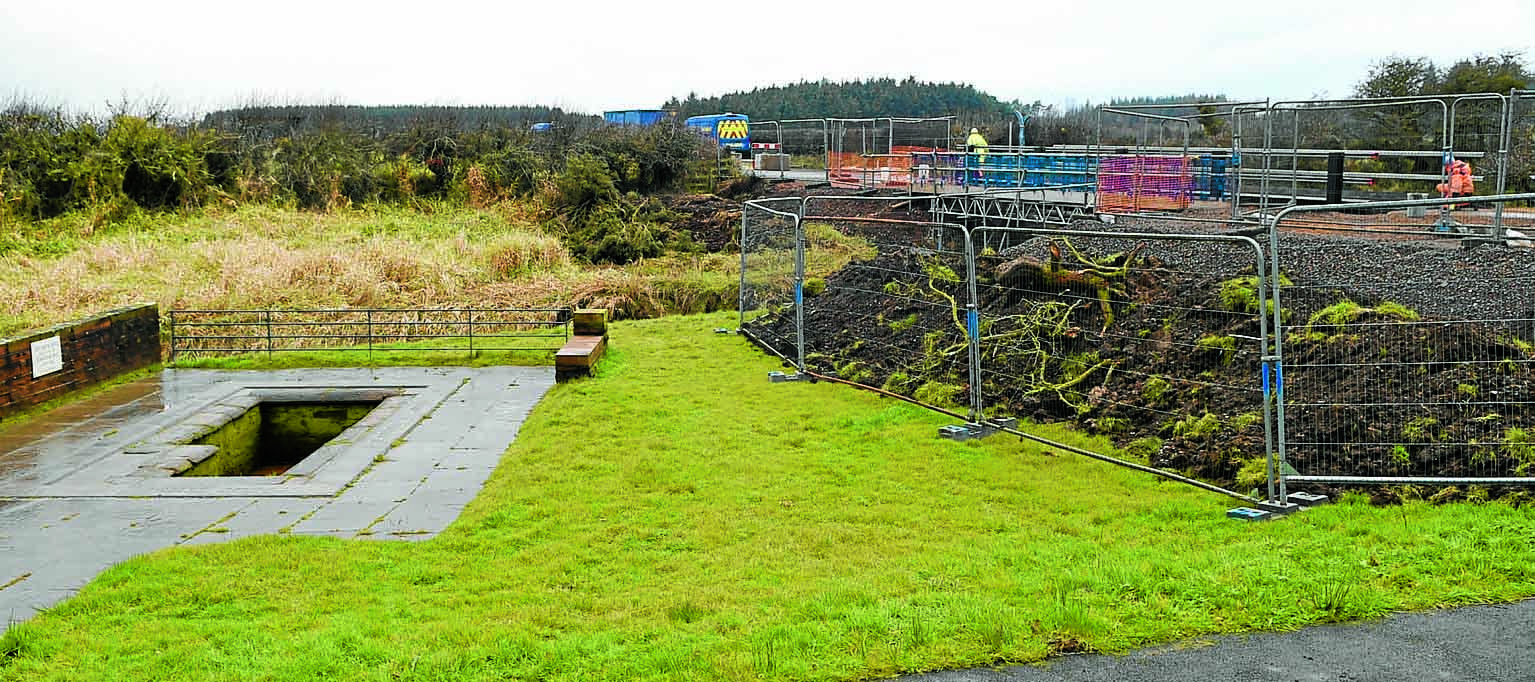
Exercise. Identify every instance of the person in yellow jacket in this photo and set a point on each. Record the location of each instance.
(976, 145)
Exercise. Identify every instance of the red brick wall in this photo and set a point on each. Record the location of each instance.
(94, 351)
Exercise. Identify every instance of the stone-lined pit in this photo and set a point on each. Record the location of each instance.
(271, 437)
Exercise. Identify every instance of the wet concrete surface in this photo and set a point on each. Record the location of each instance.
(45, 446)
(74, 498)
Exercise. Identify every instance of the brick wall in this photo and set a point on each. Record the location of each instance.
(94, 350)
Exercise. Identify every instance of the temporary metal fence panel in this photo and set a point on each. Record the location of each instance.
(1150, 338)
(1520, 134)
(772, 267)
(876, 152)
(1132, 184)
(206, 333)
(886, 304)
(1391, 147)
(1406, 359)
(1047, 323)
(805, 141)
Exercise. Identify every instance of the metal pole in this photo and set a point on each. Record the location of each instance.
(269, 333)
(973, 330)
(1278, 354)
(741, 324)
(826, 148)
(1234, 184)
(173, 336)
(1295, 162)
(1449, 151)
(782, 149)
(799, 287)
(1268, 156)
(1265, 365)
(1504, 138)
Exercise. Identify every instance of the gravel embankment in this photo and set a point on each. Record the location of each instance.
(1437, 278)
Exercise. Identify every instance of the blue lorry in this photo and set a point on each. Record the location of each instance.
(729, 131)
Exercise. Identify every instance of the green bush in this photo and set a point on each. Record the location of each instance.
(52, 163)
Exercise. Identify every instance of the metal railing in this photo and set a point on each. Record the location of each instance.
(203, 333)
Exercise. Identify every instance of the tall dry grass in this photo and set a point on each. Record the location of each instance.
(257, 258)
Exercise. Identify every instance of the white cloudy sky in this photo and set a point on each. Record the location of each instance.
(595, 55)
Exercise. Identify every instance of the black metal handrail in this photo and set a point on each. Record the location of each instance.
(213, 332)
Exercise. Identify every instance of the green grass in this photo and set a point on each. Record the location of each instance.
(679, 517)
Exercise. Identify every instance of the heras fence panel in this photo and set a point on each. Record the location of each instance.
(1132, 184)
(771, 272)
(893, 317)
(1153, 339)
(885, 301)
(1520, 132)
(1407, 350)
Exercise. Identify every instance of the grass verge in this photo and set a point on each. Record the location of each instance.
(680, 517)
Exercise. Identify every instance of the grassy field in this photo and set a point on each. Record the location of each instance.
(263, 257)
(679, 517)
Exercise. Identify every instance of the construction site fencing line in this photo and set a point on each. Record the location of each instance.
(899, 307)
(1067, 323)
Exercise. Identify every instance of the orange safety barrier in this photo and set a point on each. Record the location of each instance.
(1144, 183)
(873, 171)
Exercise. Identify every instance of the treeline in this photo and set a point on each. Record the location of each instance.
(53, 162)
(846, 99)
(290, 120)
(1049, 125)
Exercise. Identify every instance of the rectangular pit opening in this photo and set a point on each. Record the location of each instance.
(272, 437)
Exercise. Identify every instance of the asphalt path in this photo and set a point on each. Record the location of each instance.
(1480, 643)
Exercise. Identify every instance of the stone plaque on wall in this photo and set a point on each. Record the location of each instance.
(47, 356)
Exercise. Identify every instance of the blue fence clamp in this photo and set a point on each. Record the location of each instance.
(973, 324)
(1279, 379)
(1264, 370)
(799, 294)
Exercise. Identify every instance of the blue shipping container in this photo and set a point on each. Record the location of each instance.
(635, 117)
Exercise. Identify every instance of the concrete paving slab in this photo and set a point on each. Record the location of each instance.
(346, 515)
(420, 515)
(89, 505)
(454, 484)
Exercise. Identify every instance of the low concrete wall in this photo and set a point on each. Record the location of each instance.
(91, 351)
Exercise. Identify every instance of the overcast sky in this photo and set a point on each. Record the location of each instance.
(590, 56)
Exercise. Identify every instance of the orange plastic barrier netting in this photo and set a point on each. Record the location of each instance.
(866, 171)
(1144, 183)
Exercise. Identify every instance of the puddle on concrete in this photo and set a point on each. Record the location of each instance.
(44, 445)
(271, 437)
